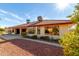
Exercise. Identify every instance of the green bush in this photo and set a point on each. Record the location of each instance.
(24, 34)
(54, 40)
(31, 37)
(70, 43)
(34, 37)
(45, 38)
(2, 30)
(28, 36)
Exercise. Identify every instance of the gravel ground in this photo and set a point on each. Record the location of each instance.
(28, 48)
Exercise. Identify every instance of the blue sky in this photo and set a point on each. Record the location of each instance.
(14, 14)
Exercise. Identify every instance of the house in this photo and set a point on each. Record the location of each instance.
(51, 28)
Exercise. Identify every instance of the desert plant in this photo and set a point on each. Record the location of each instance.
(70, 43)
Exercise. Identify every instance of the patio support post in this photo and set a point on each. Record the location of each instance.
(26, 31)
(11, 30)
(20, 31)
(14, 31)
(42, 31)
(35, 30)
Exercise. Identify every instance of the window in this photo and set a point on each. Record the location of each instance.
(38, 30)
(56, 30)
(23, 30)
(31, 30)
(12, 30)
(52, 30)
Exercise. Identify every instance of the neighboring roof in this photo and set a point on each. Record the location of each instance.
(50, 22)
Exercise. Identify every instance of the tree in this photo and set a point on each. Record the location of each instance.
(75, 16)
(2, 30)
(70, 41)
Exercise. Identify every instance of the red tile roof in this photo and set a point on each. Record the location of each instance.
(24, 25)
(47, 22)
(44, 22)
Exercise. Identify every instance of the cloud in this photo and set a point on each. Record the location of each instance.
(18, 18)
(10, 20)
(27, 16)
(3, 11)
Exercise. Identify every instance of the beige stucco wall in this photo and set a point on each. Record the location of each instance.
(64, 29)
(35, 30)
(42, 31)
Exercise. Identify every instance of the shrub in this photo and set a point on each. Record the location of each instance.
(45, 38)
(28, 36)
(54, 40)
(70, 43)
(34, 37)
(2, 31)
(24, 34)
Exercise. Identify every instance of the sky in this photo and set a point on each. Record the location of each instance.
(12, 14)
